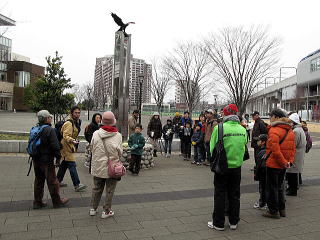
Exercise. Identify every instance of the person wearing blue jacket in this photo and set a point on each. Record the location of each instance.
(197, 142)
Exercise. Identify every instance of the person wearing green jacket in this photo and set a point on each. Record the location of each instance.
(227, 186)
(136, 143)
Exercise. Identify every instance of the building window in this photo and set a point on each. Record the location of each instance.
(315, 64)
(22, 79)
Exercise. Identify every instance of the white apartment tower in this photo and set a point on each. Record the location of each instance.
(103, 81)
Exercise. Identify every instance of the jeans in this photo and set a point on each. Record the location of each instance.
(72, 169)
(167, 145)
(275, 199)
(45, 172)
(198, 153)
(227, 186)
(97, 190)
(135, 163)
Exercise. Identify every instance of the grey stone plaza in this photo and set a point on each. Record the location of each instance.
(174, 200)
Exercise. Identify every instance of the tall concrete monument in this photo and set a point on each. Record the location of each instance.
(121, 78)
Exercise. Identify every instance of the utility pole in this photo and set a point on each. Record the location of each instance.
(140, 78)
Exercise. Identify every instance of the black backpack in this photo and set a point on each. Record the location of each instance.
(218, 161)
(57, 128)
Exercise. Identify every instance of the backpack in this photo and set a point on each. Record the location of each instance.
(218, 161)
(57, 128)
(34, 143)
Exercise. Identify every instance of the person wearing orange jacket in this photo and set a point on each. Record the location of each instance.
(280, 154)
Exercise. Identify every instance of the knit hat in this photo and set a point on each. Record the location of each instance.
(294, 117)
(108, 119)
(156, 114)
(177, 114)
(231, 109)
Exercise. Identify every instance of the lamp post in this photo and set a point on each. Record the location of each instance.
(215, 100)
(89, 92)
(286, 67)
(140, 79)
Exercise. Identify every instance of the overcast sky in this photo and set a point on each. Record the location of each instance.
(83, 30)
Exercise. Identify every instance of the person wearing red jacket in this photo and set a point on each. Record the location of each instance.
(280, 156)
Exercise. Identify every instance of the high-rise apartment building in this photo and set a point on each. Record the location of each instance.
(103, 81)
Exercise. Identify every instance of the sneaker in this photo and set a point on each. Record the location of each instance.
(268, 214)
(107, 214)
(210, 225)
(62, 184)
(63, 202)
(198, 163)
(193, 162)
(92, 212)
(86, 164)
(256, 205)
(80, 187)
(169, 155)
(233, 227)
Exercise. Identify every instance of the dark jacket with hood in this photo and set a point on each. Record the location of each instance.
(197, 137)
(91, 128)
(258, 129)
(49, 147)
(168, 131)
(156, 127)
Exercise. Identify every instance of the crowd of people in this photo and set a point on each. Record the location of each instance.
(279, 149)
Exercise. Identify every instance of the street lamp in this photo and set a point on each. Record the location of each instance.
(286, 67)
(140, 79)
(89, 92)
(215, 100)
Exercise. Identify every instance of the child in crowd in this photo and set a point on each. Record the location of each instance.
(197, 142)
(185, 136)
(136, 143)
(260, 172)
(308, 137)
(168, 132)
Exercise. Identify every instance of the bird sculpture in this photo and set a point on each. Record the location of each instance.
(121, 24)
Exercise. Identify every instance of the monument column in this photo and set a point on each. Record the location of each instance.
(120, 83)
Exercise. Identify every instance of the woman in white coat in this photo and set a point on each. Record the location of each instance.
(106, 144)
(300, 140)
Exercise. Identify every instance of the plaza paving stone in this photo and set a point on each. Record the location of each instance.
(172, 201)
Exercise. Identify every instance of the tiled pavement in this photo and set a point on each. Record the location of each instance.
(171, 201)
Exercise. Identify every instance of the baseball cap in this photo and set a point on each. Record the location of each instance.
(263, 137)
(278, 113)
(255, 113)
(209, 111)
(295, 118)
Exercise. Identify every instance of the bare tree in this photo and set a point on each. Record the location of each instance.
(79, 93)
(242, 58)
(159, 84)
(189, 66)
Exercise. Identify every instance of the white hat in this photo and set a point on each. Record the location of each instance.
(156, 114)
(294, 117)
(210, 111)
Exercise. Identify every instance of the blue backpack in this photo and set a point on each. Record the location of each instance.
(34, 142)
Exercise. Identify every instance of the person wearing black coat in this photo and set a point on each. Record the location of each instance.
(88, 133)
(168, 132)
(92, 127)
(44, 167)
(185, 135)
(155, 131)
(258, 129)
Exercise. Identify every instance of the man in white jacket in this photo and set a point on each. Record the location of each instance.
(106, 144)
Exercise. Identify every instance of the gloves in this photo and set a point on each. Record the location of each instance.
(194, 143)
(134, 146)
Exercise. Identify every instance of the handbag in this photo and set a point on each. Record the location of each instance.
(115, 168)
(218, 161)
